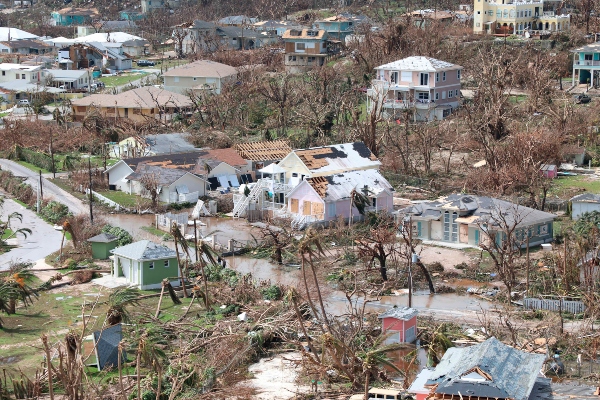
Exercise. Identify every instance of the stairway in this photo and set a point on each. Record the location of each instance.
(239, 209)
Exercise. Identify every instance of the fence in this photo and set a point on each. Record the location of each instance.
(574, 307)
(106, 200)
(165, 221)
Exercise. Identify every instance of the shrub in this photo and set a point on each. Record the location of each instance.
(272, 292)
(54, 212)
(123, 236)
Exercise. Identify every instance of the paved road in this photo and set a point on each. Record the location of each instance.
(43, 240)
(50, 189)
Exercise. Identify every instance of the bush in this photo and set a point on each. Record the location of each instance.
(54, 212)
(15, 186)
(124, 238)
(272, 292)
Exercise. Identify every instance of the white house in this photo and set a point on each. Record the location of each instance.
(199, 76)
(173, 185)
(584, 203)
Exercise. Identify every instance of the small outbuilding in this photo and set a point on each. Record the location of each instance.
(102, 244)
(549, 171)
(584, 203)
(400, 324)
(145, 264)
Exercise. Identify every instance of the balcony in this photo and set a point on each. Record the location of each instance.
(403, 104)
(587, 63)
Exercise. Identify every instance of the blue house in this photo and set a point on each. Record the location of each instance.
(337, 27)
(74, 16)
(586, 64)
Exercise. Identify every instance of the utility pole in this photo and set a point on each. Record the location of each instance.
(91, 197)
(196, 239)
(527, 282)
(410, 262)
(41, 188)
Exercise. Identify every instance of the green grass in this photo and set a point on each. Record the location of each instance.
(33, 167)
(120, 80)
(565, 184)
(166, 64)
(154, 231)
(124, 199)
(7, 234)
(517, 99)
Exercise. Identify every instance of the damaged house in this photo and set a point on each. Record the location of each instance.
(469, 220)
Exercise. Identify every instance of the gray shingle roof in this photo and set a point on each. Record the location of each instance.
(402, 313)
(513, 373)
(488, 209)
(103, 238)
(163, 176)
(587, 198)
(107, 346)
(144, 250)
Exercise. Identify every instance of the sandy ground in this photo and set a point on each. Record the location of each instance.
(275, 378)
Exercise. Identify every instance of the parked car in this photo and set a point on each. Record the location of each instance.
(23, 103)
(582, 99)
(145, 63)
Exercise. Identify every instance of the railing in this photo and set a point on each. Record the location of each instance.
(301, 221)
(588, 63)
(241, 202)
(574, 307)
(398, 104)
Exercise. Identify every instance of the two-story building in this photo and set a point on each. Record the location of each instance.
(509, 17)
(427, 87)
(586, 64)
(25, 46)
(306, 49)
(74, 16)
(337, 27)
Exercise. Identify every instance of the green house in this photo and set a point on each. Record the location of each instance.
(102, 244)
(145, 264)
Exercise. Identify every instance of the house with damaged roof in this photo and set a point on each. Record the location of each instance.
(324, 176)
(485, 371)
(172, 185)
(467, 220)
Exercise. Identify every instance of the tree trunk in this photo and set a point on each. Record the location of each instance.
(181, 270)
(12, 306)
(427, 276)
(383, 268)
(301, 321)
(162, 292)
(312, 267)
(278, 255)
(367, 381)
(138, 377)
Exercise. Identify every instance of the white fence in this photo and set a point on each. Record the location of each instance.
(574, 307)
(106, 200)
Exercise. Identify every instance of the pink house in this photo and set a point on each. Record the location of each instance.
(325, 198)
(400, 324)
(428, 87)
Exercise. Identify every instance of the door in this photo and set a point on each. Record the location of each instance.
(306, 208)
(464, 233)
(477, 237)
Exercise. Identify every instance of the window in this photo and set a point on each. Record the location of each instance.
(5, 50)
(505, 14)
(137, 111)
(512, 13)
(3, 73)
(291, 58)
(423, 96)
(588, 57)
(166, 263)
(331, 209)
(424, 79)
(444, 76)
(446, 113)
(300, 46)
(311, 59)
(450, 93)
(437, 95)
(491, 13)
(394, 77)
(499, 14)
(443, 95)
(311, 33)
(18, 76)
(437, 76)
(195, 79)
(458, 74)
(151, 265)
(543, 229)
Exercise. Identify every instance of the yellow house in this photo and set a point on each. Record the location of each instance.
(509, 17)
(138, 105)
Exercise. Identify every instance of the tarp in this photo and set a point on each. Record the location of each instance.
(272, 169)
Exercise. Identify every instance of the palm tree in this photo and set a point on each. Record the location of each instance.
(17, 278)
(373, 359)
(360, 200)
(6, 292)
(5, 227)
(180, 240)
(117, 303)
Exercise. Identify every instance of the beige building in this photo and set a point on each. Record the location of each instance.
(199, 75)
(137, 105)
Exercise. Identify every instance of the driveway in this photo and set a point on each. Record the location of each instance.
(49, 188)
(42, 241)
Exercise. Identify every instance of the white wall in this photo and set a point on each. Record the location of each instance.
(579, 208)
(116, 175)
